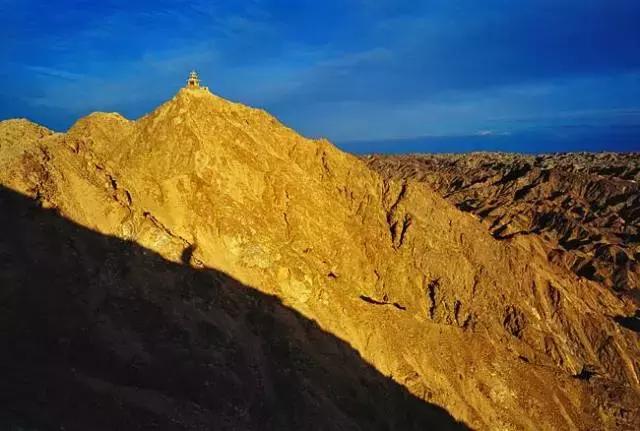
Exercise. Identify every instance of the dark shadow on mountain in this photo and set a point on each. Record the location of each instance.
(97, 333)
(630, 322)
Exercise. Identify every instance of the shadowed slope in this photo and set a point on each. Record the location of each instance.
(100, 333)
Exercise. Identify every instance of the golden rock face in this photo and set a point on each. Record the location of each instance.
(394, 275)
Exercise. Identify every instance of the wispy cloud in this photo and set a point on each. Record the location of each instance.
(55, 73)
(492, 133)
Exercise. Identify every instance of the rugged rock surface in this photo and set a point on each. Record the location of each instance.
(585, 207)
(205, 266)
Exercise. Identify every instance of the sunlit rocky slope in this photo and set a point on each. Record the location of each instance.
(584, 206)
(207, 267)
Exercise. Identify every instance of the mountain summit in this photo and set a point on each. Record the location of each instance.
(205, 266)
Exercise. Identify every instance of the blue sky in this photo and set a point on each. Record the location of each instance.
(371, 75)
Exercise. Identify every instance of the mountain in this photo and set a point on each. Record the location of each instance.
(207, 267)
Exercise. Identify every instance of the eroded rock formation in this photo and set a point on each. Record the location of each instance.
(585, 207)
(224, 269)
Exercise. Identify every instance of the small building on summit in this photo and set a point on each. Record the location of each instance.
(194, 80)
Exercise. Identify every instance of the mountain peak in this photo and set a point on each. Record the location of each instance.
(420, 289)
(17, 135)
(194, 92)
(23, 125)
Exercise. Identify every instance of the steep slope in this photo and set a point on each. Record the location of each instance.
(487, 329)
(105, 335)
(586, 207)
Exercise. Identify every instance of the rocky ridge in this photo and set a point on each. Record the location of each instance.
(484, 328)
(585, 207)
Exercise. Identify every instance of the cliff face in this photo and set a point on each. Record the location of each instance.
(440, 312)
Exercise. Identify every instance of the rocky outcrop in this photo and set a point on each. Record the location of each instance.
(223, 258)
(585, 207)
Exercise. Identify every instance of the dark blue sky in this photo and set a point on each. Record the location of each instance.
(391, 75)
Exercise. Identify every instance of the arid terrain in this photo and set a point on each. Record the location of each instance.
(585, 207)
(206, 267)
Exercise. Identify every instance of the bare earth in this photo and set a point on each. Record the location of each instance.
(585, 207)
(206, 267)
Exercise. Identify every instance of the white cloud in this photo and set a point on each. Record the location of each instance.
(56, 73)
